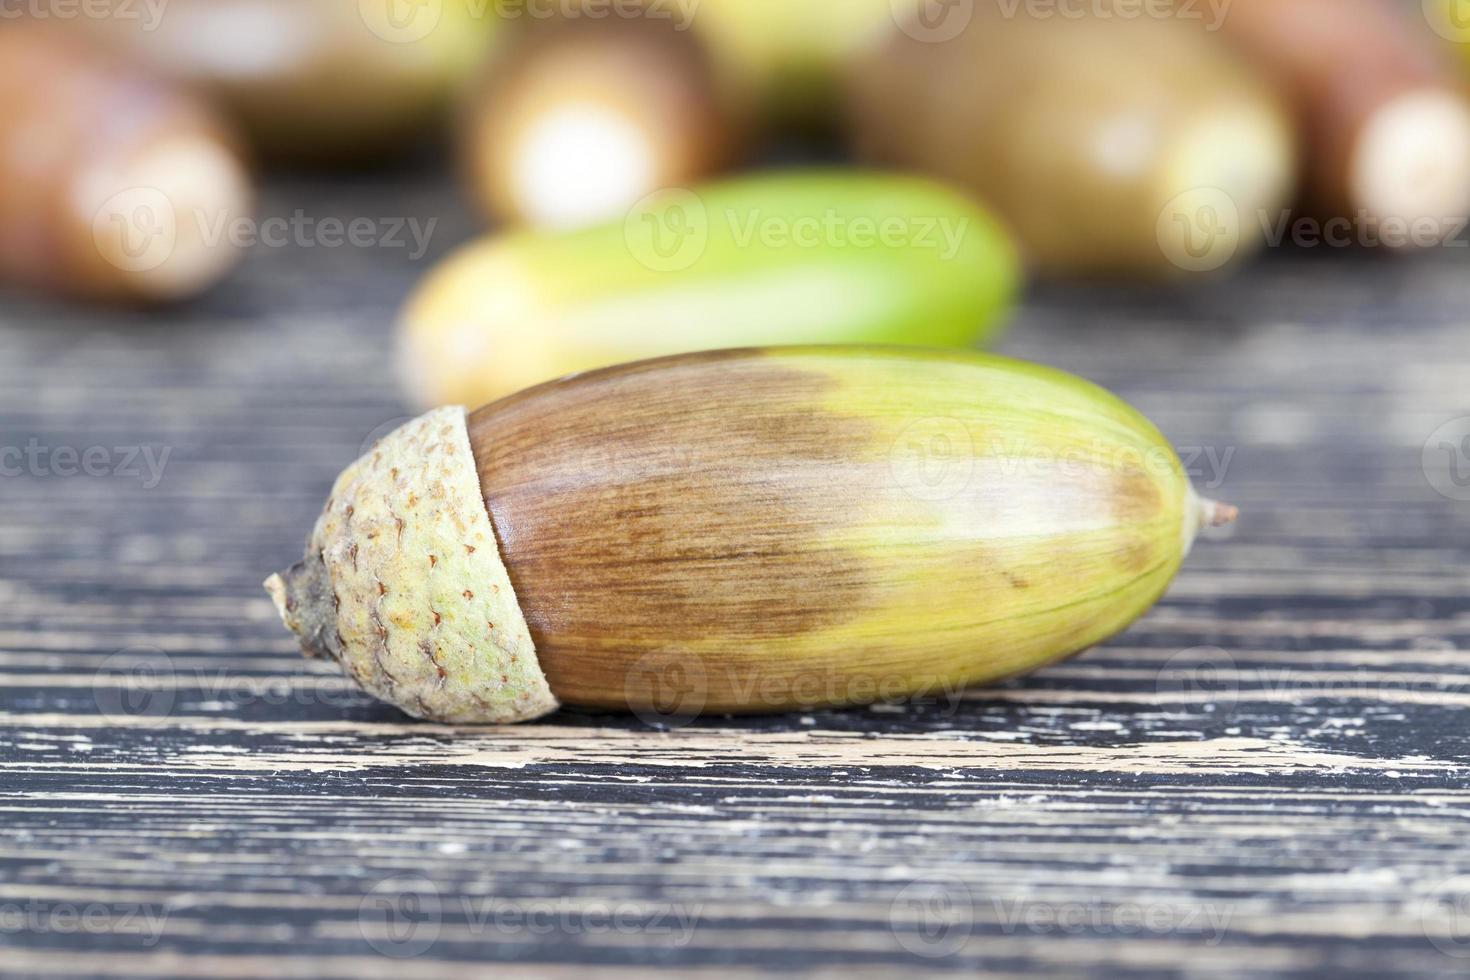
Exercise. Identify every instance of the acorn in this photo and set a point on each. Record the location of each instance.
(1386, 121)
(781, 258)
(575, 118)
(581, 111)
(742, 531)
(313, 82)
(1112, 145)
(114, 185)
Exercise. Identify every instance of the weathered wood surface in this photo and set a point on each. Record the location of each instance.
(1265, 776)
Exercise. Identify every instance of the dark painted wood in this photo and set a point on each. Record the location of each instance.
(1267, 775)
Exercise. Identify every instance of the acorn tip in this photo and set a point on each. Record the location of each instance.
(1216, 514)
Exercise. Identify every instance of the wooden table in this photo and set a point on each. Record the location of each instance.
(1267, 775)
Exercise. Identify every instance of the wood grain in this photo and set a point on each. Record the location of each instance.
(1265, 776)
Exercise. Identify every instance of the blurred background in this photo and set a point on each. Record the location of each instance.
(242, 239)
(625, 169)
(565, 184)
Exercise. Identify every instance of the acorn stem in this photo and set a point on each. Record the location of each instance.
(1216, 514)
(303, 596)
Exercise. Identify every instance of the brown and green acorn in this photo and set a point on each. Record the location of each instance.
(743, 531)
(1111, 144)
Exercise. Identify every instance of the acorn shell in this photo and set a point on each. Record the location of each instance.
(766, 529)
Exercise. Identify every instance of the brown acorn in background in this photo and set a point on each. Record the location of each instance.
(586, 109)
(1385, 121)
(113, 184)
(1111, 145)
(575, 118)
(339, 82)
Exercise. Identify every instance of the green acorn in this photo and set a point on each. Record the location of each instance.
(785, 258)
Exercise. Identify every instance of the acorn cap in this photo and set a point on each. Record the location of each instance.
(404, 586)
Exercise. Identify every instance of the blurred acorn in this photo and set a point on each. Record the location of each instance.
(113, 184)
(793, 54)
(784, 258)
(1386, 122)
(1110, 145)
(313, 81)
(575, 118)
(584, 109)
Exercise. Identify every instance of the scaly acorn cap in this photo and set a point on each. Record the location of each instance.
(403, 584)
